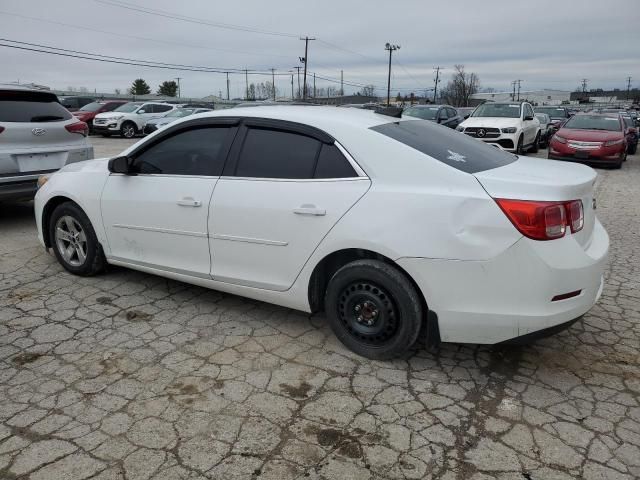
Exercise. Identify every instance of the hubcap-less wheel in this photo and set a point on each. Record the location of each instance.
(368, 313)
(128, 130)
(71, 240)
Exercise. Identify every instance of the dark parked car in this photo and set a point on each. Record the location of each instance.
(90, 110)
(75, 103)
(558, 114)
(442, 114)
(630, 133)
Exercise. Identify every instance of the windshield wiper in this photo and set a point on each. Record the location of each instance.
(46, 118)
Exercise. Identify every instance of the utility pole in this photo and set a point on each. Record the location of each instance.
(628, 86)
(513, 95)
(273, 82)
(178, 78)
(291, 85)
(246, 81)
(584, 85)
(518, 81)
(227, 85)
(391, 48)
(435, 89)
(342, 83)
(306, 53)
(314, 86)
(298, 69)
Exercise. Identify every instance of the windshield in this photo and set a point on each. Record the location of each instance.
(553, 112)
(427, 113)
(542, 118)
(505, 110)
(128, 107)
(180, 112)
(91, 107)
(594, 122)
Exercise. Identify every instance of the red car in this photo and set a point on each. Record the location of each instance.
(89, 111)
(591, 138)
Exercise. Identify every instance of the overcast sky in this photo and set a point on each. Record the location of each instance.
(547, 44)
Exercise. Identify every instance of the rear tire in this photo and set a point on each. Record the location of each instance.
(128, 130)
(373, 309)
(74, 241)
(632, 149)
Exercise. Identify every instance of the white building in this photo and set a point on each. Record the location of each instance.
(536, 97)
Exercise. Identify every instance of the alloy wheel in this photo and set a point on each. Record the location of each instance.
(71, 240)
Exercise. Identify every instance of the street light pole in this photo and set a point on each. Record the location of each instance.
(391, 48)
(178, 78)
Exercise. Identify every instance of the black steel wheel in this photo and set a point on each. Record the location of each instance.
(374, 309)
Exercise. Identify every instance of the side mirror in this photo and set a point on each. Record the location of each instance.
(122, 165)
(529, 117)
(467, 116)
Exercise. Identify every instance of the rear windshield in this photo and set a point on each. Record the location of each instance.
(594, 122)
(426, 113)
(92, 107)
(446, 145)
(25, 106)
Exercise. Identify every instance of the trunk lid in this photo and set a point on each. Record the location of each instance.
(531, 178)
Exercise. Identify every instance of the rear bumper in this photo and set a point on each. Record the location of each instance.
(19, 190)
(510, 296)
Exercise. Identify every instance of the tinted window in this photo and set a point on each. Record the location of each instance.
(19, 106)
(111, 106)
(277, 154)
(452, 113)
(332, 164)
(191, 152)
(504, 110)
(446, 145)
(161, 108)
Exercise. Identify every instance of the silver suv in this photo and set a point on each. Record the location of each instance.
(37, 135)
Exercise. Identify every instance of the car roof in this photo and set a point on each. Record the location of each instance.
(429, 106)
(11, 86)
(323, 117)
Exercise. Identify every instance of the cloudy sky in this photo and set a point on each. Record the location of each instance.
(547, 44)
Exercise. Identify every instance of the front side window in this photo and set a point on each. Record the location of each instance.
(198, 151)
(277, 154)
(161, 108)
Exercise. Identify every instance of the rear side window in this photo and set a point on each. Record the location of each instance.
(24, 106)
(197, 151)
(161, 108)
(447, 146)
(332, 164)
(277, 154)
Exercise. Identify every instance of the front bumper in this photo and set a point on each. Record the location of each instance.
(511, 295)
(506, 141)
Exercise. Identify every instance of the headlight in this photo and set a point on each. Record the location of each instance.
(559, 139)
(117, 117)
(610, 143)
(460, 128)
(509, 130)
(42, 179)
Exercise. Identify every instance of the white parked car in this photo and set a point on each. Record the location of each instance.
(37, 135)
(129, 119)
(511, 126)
(385, 224)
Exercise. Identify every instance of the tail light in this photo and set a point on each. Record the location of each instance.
(78, 127)
(543, 220)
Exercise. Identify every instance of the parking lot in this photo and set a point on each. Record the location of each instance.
(132, 376)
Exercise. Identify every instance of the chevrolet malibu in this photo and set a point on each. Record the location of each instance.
(392, 227)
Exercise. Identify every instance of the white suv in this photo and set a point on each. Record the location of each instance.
(130, 118)
(510, 126)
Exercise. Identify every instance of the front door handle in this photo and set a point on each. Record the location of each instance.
(189, 202)
(309, 210)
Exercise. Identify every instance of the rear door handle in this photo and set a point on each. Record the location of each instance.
(189, 202)
(309, 210)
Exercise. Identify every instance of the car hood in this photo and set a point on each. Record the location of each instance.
(491, 122)
(589, 135)
(94, 165)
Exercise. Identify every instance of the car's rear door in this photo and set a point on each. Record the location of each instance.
(158, 217)
(283, 189)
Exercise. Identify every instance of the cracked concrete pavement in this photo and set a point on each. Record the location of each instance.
(131, 376)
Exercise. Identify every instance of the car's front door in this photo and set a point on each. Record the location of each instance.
(281, 193)
(158, 217)
(529, 124)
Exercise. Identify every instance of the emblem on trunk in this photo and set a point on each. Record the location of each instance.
(38, 132)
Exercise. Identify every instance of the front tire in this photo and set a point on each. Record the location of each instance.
(373, 309)
(520, 147)
(74, 241)
(128, 130)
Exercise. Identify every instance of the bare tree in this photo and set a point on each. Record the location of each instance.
(460, 88)
(368, 91)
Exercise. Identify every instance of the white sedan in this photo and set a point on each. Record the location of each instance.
(389, 226)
